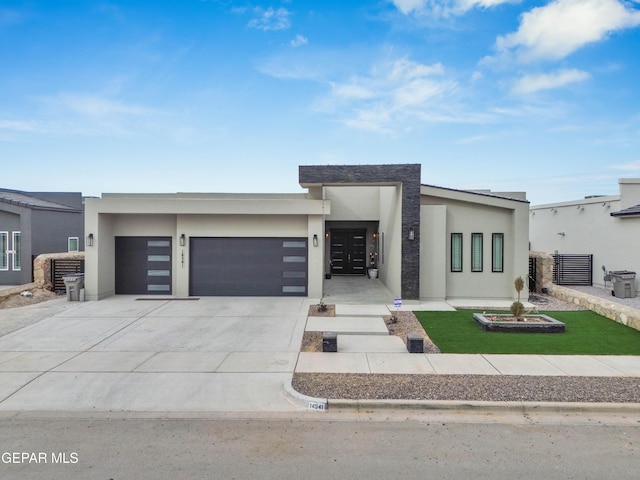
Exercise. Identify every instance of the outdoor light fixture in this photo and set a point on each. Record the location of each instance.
(315, 240)
(562, 234)
(183, 240)
(412, 234)
(90, 240)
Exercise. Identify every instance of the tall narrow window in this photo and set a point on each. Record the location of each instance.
(476, 252)
(456, 252)
(4, 246)
(497, 252)
(17, 252)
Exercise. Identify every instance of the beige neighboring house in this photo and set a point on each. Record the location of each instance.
(607, 227)
(425, 242)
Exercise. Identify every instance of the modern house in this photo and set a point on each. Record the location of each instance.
(426, 242)
(32, 223)
(607, 227)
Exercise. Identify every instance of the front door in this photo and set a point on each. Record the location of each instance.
(348, 252)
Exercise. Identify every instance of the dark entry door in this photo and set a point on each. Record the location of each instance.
(348, 252)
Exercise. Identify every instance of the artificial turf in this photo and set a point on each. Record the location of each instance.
(586, 333)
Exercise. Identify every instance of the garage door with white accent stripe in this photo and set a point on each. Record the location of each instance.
(248, 266)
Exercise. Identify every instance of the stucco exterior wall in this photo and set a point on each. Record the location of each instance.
(467, 213)
(196, 215)
(586, 227)
(390, 256)
(433, 247)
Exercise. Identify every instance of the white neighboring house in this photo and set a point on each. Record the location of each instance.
(608, 227)
(425, 242)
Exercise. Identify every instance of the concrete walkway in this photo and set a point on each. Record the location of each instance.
(362, 349)
(217, 355)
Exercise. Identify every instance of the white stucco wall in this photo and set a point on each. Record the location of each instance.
(196, 215)
(586, 227)
(468, 213)
(433, 252)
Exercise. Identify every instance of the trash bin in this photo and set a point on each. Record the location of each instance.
(73, 283)
(624, 283)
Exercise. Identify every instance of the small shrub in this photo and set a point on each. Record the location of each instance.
(517, 309)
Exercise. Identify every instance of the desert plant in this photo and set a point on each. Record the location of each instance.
(517, 308)
(519, 285)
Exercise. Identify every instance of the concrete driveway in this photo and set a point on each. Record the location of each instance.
(123, 353)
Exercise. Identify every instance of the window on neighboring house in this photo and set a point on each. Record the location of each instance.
(456, 252)
(17, 255)
(4, 254)
(497, 252)
(73, 244)
(476, 252)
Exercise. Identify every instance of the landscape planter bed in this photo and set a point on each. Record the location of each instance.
(533, 323)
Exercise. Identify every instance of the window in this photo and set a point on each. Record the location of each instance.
(72, 244)
(4, 246)
(293, 244)
(497, 252)
(456, 252)
(17, 256)
(476, 252)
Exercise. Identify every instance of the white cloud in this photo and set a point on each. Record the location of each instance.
(629, 166)
(271, 19)
(391, 95)
(546, 81)
(445, 7)
(93, 105)
(299, 40)
(560, 28)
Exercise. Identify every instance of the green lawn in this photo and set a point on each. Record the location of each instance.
(586, 333)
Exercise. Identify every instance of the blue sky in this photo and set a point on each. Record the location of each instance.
(231, 96)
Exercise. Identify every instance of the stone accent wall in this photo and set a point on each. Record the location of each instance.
(406, 174)
(42, 266)
(544, 270)
(613, 311)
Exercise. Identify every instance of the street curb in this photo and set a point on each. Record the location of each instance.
(305, 399)
(518, 407)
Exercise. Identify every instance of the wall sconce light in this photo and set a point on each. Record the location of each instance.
(562, 234)
(412, 234)
(315, 240)
(183, 240)
(89, 240)
(375, 235)
(326, 234)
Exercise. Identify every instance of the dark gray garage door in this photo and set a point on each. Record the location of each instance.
(143, 265)
(248, 266)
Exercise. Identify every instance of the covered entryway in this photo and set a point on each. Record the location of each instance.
(143, 265)
(244, 266)
(348, 252)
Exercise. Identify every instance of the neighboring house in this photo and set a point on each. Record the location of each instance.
(426, 242)
(32, 223)
(607, 227)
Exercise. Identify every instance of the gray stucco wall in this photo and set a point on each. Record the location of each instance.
(408, 175)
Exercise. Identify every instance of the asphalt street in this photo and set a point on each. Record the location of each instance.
(315, 446)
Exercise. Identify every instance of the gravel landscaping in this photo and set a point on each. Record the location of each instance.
(494, 388)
